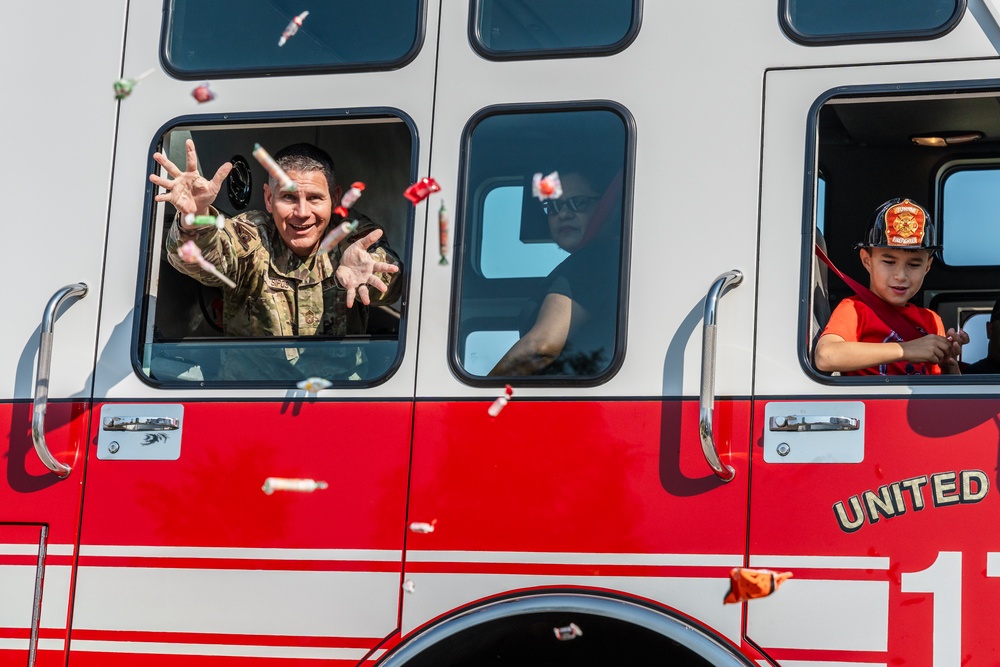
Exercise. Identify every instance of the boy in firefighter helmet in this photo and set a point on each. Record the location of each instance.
(897, 252)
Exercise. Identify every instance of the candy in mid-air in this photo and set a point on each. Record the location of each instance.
(124, 87)
(292, 28)
(203, 94)
(190, 253)
(192, 220)
(422, 189)
(443, 233)
(276, 172)
(747, 584)
(351, 196)
(546, 187)
(314, 385)
(566, 633)
(501, 401)
(336, 235)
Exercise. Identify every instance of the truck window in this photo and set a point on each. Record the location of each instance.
(967, 200)
(939, 150)
(505, 29)
(820, 22)
(540, 280)
(188, 333)
(264, 37)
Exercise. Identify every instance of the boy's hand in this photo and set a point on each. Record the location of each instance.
(958, 339)
(930, 348)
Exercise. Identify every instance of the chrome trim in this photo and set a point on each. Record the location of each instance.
(141, 424)
(36, 606)
(41, 394)
(813, 423)
(724, 282)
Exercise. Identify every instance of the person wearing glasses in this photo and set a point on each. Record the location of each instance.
(573, 328)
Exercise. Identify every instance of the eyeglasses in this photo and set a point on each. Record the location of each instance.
(575, 204)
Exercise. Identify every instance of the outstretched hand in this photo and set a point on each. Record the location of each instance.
(188, 190)
(358, 268)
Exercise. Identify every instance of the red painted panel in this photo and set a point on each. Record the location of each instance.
(580, 476)
(29, 492)
(792, 512)
(212, 495)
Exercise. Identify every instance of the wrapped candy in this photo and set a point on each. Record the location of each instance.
(501, 401)
(292, 28)
(747, 584)
(421, 190)
(336, 235)
(409, 586)
(276, 172)
(546, 187)
(351, 196)
(272, 484)
(124, 87)
(314, 385)
(190, 253)
(203, 94)
(571, 631)
(422, 528)
(192, 220)
(443, 232)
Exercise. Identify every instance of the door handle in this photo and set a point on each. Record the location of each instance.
(141, 424)
(41, 399)
(813, 423)
(707, 400)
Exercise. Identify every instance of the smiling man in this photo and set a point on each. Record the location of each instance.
(284, 287)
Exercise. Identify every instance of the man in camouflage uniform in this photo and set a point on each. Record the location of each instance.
(284, 287)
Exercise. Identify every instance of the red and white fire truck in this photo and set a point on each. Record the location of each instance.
(596, 518)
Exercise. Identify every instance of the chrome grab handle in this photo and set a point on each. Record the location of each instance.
(813, 423)
(42, 377)
(727, 280)
(141, 424)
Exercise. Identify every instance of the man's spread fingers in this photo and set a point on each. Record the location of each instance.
(384, 267)
(378, 284)
(221, 174)
(167, 164)
(160, 181)
(192, 156)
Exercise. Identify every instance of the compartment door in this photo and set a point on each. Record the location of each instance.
(874, 495)
(184, 549)
(59, 139)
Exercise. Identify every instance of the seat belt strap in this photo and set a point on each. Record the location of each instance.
(889, 315)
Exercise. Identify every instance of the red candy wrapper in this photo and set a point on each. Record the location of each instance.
(351, 196)
(422, 189)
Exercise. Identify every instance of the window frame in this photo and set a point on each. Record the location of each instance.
(277, 71)
(945, 170)
(900, 91)
(787, 27)
(147, 238)
(463, 205)
(475, 40)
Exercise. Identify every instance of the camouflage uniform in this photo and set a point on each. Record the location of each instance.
(280, 294)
